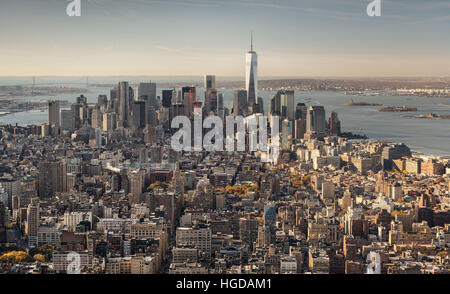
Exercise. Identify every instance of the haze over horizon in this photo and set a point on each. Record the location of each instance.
(225, 77)
(297, 39)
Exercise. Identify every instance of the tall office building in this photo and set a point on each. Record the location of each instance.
(251, 76)
(168, 96)
(96, 121)
(147, 93)
(109, 121)
(67, 120)
(123, 92)
(76, 114)
(151, 115)
(83, 114)
(32, 224)
(300, 111)
(189, 96)
(210, 94)
(82, 100)
(220, 109)
(52, 178)
(176, 109)
(12, 188)
(259, 107)
(334, 125)
(114, 99)
(268, 229)
(282, 104)
(2, 217)
(270, 214)
(209, 82)
(102, 102)
(211, 100)
(299, 128)
(286, 134)
(53, 113)
(138, 114)
(315, 120)
(287, 105)
(275, 104)
(239, 102)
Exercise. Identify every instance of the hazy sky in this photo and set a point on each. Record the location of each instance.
(195, 37)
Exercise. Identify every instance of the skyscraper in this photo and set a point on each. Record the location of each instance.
(124, 103)
(53, 113)
(168, 97)
(268, 228)
(286, 134)
(147, 93)
(211, 100)
(102, 101)
(239, 102)
(220, 109)
(52, 178)
(282, 104)
(251, 76)
(299, 128)
(209, 82)
(210, 94)
(67, 120)
(300, 111)
(189, 96)
(315, 119)
(109, 121)
(75, 108)
(138, 114)
(334, 125)
(32, 224)
(275, 104)
(287, 105)
(96, 120)
(175, 110)
(2, 220)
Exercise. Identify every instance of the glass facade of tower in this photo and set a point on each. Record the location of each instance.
(251, 77)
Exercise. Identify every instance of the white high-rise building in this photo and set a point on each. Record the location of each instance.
(251, 76)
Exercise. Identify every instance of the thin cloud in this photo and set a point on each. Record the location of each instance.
(168, 49)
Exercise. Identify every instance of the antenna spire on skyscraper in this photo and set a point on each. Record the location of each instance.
(251, 41)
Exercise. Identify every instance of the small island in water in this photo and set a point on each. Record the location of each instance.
(433, 116)
(353, 103)
(397, 109)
